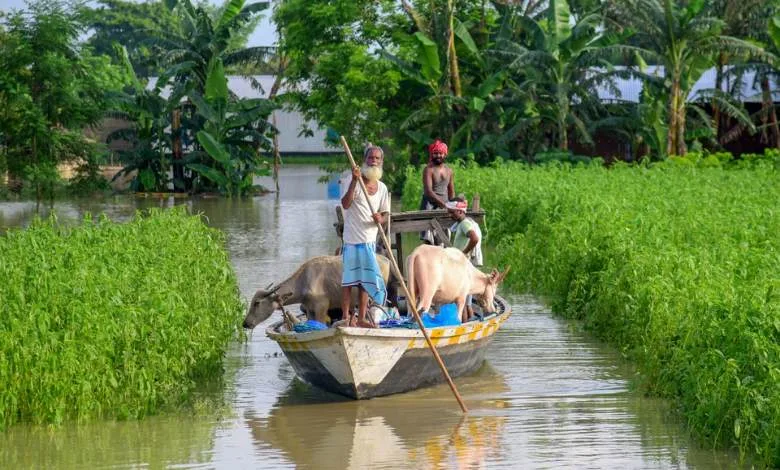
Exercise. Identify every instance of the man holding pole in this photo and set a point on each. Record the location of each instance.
(360, 231)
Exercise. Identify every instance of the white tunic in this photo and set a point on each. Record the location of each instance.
(359, 226)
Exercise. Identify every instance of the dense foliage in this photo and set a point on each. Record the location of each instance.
(51, 89)
(105, 319)
(677, 265)
(515, 79)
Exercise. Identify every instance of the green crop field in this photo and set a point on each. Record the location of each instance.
(112, 320)
(677, 265)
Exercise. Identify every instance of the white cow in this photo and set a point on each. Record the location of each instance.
(445, 275)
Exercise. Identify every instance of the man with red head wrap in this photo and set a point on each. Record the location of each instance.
(438, 185)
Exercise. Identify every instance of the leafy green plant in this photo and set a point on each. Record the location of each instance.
(233, 132)
(104, 319)
(44, 179)
(676, 265)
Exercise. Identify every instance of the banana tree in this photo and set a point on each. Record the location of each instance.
(685, 40)
(148, 113)
(190, 49)
(472, 112)
(232, 132)
(557, 63)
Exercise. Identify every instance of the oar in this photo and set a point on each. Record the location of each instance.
(397, 273)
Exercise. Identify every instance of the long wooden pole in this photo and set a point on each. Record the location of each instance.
(397, 272)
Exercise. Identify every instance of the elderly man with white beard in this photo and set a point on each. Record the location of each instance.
(360, 231)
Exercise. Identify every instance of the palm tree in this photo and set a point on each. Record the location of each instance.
(685, 40)
(191, 49)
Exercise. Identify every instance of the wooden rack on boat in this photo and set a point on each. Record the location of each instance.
(417, 221)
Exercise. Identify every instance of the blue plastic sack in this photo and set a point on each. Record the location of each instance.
(447, 316)
(309, 325)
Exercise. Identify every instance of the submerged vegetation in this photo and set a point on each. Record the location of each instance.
(112, 320)
(676, 264)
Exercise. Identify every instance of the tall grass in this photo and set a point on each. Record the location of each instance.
(677, 265)
(109, 319)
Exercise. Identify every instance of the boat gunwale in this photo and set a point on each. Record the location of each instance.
(391, 333)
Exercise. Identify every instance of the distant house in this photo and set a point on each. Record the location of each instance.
(290, 123)
(747, 91)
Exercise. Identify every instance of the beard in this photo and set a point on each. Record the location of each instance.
(372, 173)
(437, 161)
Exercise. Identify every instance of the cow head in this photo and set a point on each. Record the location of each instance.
(264, 303)
(486, 299)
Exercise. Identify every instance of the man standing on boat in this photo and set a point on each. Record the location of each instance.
(360, 231)
(467, 238)
(438, 185)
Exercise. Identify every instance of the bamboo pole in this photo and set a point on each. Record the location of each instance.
(397, 272)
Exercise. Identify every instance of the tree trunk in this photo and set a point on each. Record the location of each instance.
(178, 169)
(682, 149)
(718, 85)
(271, 95)
(454, 71)
(277, 155)
(769, 113)
(676, 119)
(563, 132)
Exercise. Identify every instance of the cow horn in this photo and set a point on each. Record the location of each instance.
(502, 276)
(270, 289)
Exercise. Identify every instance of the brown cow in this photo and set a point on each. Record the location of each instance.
(316, 285)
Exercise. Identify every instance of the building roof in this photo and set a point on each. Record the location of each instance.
(628, 90)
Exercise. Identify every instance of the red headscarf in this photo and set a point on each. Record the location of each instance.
(437, 146)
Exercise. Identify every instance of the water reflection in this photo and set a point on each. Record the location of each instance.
(154, 442)
(315, 429)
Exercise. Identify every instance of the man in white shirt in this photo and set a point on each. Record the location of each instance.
(360, 231)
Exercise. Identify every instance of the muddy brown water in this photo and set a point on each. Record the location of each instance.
(548, 395)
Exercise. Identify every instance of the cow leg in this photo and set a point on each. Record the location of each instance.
(425, 292)
(462, 311)
(321, 311)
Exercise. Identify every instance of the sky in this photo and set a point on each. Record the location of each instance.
(264, 35)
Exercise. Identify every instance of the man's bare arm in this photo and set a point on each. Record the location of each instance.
(473, 240)
(349, 196)
(451, 186)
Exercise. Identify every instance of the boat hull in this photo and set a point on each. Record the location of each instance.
(415, 369)
(365, 363)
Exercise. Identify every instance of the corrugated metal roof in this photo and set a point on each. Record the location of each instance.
(629, 89)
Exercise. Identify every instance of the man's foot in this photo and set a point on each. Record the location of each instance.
(363, 323)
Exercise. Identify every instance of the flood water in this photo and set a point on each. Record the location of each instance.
(548, 396)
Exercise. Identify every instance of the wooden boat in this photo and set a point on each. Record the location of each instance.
(370, 362)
